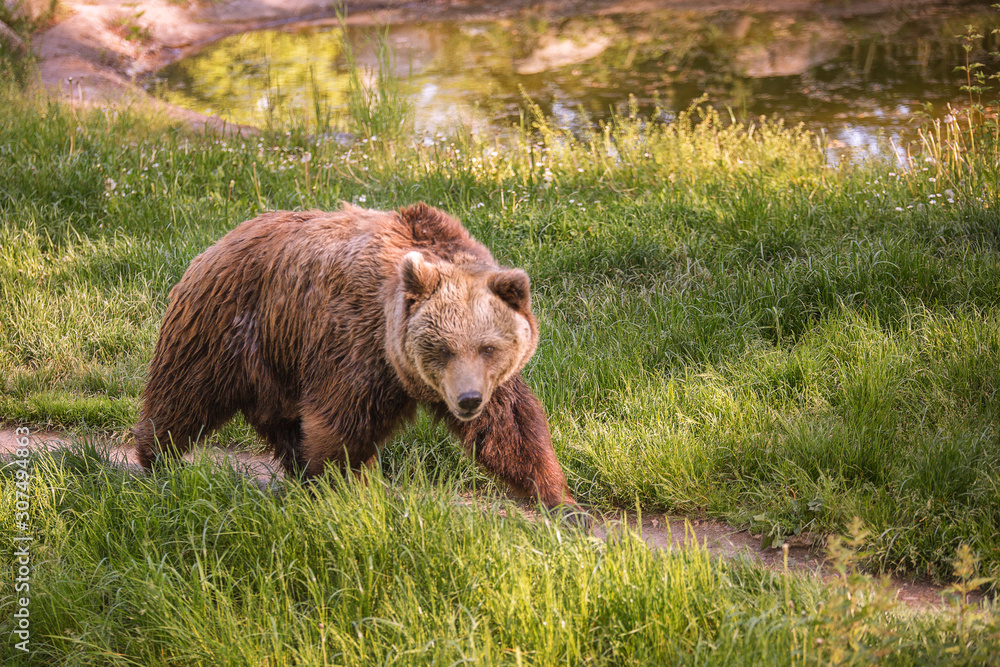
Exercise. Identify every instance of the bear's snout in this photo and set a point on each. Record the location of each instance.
(465, 385)
(470, 400)
(467, 405)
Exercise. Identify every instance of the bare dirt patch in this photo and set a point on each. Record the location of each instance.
(260, 467)
(658, 531)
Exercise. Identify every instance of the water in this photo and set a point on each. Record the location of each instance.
(860, 75)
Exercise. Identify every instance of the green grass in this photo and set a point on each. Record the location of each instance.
(730, 328)
(198, 566)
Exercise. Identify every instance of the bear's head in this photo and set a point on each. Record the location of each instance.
(466, 328)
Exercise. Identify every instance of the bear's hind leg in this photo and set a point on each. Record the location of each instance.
(158, 440)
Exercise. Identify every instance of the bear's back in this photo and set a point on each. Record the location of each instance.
(350, 238)
(288, 286)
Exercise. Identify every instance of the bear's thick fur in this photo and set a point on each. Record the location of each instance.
(326, 329)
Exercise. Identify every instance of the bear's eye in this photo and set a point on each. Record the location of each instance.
(445, 352)
(486, 350)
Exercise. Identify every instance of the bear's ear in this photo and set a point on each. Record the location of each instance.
(420, 278)
(514, 287)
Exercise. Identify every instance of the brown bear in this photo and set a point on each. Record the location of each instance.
(327, 329)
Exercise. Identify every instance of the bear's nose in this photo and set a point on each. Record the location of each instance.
(470, 400)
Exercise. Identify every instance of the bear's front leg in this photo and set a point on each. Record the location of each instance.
(510, 438)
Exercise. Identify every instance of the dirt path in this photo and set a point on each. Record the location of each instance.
(263, 468)
(658, 531)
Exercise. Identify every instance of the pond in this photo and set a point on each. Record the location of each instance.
(862, 72)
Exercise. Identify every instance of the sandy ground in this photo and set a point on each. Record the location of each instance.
(659, 531)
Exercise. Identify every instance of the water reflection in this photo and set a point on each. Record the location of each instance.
(862, 77)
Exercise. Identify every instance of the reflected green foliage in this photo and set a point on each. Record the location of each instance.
(870, 72)
(263, 77)
(376, 103)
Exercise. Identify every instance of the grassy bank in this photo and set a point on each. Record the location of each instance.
(197, 566)
(730, 328)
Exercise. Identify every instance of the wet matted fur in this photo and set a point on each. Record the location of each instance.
(326, 329)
